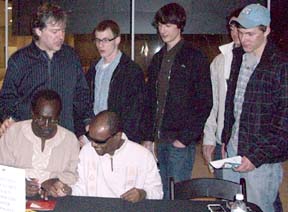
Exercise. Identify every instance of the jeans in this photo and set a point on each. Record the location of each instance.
(262, 184)
(218, 173)
(175, 162)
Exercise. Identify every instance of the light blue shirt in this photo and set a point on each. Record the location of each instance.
(103, 78)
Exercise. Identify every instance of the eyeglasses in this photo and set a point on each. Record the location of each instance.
(44, 121)
(104, 40)
(98, 141)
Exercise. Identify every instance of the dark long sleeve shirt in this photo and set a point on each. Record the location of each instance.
(263, 128)
(30, 70)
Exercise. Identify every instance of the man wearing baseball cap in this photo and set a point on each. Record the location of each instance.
(256, 112)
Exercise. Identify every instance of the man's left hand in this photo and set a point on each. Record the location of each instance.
(55, 188)
(134, 195)
(246, 165)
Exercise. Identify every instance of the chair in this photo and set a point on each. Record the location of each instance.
(206, 187)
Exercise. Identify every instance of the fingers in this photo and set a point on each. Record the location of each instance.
(134, 195)
(178, 144)
(32, 187)
(208, 151)
(5, 125)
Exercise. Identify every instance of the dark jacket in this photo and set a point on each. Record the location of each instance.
(189, 97)
(126, 95)
(30, 70)
(263, 130)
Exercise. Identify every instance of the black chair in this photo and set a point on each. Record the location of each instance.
(206, 187)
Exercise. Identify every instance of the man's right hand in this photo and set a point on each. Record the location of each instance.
(5, 125)
(148, 145)
(208, 151)
(32, 187)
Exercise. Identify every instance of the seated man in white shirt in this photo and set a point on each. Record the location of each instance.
(47, 151)
(113, 166)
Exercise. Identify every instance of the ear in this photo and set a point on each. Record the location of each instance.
(38, 32)
(267, 32)
(118, 40)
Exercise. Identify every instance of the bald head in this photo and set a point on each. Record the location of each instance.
(106, 121)
(105, 132)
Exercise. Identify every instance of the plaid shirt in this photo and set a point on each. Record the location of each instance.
(263, 126)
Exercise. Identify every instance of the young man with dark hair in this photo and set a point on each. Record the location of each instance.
(116, 82)
(47, 151)
(46, 63)
(179, 97)
(256, 109)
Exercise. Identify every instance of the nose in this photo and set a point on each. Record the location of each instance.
(62, 34)
(46, 122)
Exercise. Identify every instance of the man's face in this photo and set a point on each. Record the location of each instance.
(107, 44)
(169, 33)
(45, 119)
(51, 37)
(234, 35)
(253, 40)
(102, 141)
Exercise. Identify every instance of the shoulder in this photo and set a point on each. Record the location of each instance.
(137, 149)
(129, 66)
(68, 136)
(22, 53)
(189, 49)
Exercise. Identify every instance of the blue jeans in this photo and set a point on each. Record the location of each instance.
(218, 173)
(175, 162)
(262, 184)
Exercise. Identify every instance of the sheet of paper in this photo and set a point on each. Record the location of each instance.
(12, 189)
(227, 162)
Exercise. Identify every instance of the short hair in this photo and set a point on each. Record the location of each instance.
(48, 95)
(260, 27)
(172, 13)
(113, 121)
(108, 24)
(45, 13)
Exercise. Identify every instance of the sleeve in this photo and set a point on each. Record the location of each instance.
(272, 145)
(150, 99)
(69, 174)
(82, 104)
(6, 148)
(210, 127)
(152, 185)
(9, 96)
(79, 188)
(133, 105)
(201, 101)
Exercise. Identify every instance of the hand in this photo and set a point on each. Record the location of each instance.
(246, 165)
(81, 141)
(5, 125)
(223, 151)
(134, 195)
(178, 144)
(207, 151)
(148, 145)
(55, 188)
(32, 187)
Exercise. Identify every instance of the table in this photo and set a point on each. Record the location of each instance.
(87, 204)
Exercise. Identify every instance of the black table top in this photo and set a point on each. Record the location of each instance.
(86, 204)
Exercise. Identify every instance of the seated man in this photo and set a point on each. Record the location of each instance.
(113, 166)
(47, 151)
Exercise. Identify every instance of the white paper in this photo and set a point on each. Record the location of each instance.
(12, 189)
(227, 162)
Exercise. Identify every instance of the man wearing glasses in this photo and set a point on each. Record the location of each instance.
(113, 166)
(116, 82)
(47, 151)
